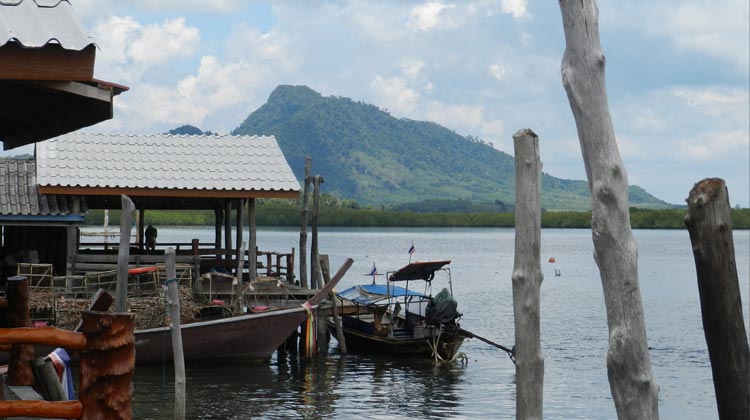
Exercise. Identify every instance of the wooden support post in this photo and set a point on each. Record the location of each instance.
(141, 229)
(173, 301)
(290, 267)
(325, 267)
(218, 222)
(315, 281)
(238, 300)
(634, 390)
(195, 245)
(710, 226)
(239, 228)
(21, 355)
(123, 254)
(252, 246)
(292, 346)
(527, 276)
(70, 257)
(321, 340)
(107, 365)
(227, 230)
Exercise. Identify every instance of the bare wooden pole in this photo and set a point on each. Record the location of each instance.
(123, 254)
(303, 228)
(527, 276)
(252, 248)
(21, 355)
(326, 269)
(634, 390)
(173, 301)
(315, 281)
(710, 226)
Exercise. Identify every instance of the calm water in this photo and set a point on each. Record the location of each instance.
(574, 336)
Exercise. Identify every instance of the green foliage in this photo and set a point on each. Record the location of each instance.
(189, 130)
(333, 212)
(369, 156)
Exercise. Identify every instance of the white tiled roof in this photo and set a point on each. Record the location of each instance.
(217, 163)
(19, 194)
(36, 23)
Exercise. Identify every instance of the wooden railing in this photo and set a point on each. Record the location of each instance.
(107, 360)
(203, 258)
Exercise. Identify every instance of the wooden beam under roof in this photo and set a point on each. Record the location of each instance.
(52, 62)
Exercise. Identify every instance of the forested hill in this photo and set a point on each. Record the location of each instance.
(367, 155)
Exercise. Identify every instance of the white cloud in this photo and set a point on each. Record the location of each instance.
(498, 71)
(716, 101)
(395, 94)
(129, 49)
(719, 29)
(428, 16)
(411, 67)
(715, 145)
(516, 8)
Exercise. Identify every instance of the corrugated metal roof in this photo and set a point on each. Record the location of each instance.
(218, 163)
(19, 194)
(36, 23)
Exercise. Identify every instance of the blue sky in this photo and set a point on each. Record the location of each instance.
(678, 72)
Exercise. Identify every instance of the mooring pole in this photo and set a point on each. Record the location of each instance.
(21, 355)
(173, 300)
(123, 254)
(710, 226)
(527, 276)
(303, 228)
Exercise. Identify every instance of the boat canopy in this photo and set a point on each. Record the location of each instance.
(368, 294)
(420, 270)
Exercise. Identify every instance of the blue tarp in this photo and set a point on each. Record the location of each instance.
(368, 294)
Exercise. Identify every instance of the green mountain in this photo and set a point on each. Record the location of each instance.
(367, 155)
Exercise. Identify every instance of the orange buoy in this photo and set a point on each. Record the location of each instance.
(552, 259)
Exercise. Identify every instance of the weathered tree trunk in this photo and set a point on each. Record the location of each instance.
(21, 355)
(123, 254)
(527, 276)
(173, 301)
(303, 228)
(710, 226)
(633, 388)
(315, 281)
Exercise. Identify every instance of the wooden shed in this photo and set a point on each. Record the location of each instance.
(225, 174)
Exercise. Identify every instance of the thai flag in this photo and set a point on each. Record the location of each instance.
(374, 270)
(412, 249)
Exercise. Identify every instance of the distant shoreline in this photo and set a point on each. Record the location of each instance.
(284, 214)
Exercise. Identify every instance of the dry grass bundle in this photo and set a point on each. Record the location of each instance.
(150, 312)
